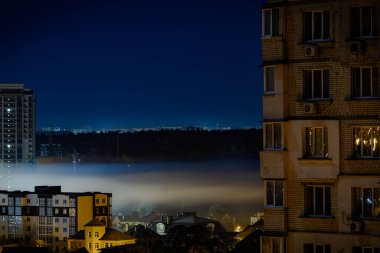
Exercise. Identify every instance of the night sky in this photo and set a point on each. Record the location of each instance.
(135, 63)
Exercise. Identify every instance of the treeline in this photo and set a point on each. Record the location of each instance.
(150, 145)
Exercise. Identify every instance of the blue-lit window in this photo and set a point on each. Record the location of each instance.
(366, 202)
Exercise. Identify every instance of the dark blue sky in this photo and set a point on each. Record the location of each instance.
(135, 63)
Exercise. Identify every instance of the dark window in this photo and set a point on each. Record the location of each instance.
(271, 22)
(274, 193)
(363, 22)
(316, 142)
(273, 135)
(312, 248)
(269, 79)
(316, 25)
(318, 200)
(316, 84)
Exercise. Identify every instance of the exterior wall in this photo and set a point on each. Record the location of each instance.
(339, 242)
(340, 113)
(85, 211)
(92, 236)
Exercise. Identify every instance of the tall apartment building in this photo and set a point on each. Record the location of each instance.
(321, 106)
(49, 216)
(17, 130)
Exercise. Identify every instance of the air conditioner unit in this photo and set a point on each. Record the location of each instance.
(356, 47)
(309, 108)
(357, 226)
(311, 51)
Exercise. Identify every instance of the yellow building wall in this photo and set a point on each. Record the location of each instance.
(85, 210)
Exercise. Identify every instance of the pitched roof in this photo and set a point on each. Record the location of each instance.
(78, 236)
(114, 235)
(95, 223)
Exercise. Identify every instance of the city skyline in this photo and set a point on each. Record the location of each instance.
(136, 64)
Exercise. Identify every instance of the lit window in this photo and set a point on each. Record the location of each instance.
(269, 79)
(366, 141)
(362, 81)
(271, 22)
(274, 193)
(316, 25)
(316, 142)
(96, 245)
(273, 135)
(316, 84)
(363, 22)
(366, 202)
(318, 200)
(314, 248)
(96, 234)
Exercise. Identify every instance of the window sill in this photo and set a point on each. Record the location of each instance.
(269, 93)
(354, 158)
(274, 207)
(275, 150)
(317, 216)
(365, 219)
(316, 158)
(362, 98)
(315, 100)
(276, 37)
(317, 41)
(373, 37)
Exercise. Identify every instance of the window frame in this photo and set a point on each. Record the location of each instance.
(353, 82)
(312, 23)
(275, 194)
(325, 84)
(374, 204)
(272, 142)
(281, 242)
(272, 31)
(359, 249)
(314, 250)
(324, 143)
(266, 91)
(359, 34)
(326, 212)
(360, 140)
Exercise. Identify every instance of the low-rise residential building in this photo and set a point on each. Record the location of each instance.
(96, 235)
(49, 216)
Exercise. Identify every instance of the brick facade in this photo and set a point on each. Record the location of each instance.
(346, 107)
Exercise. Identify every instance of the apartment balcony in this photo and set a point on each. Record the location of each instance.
(273, 164)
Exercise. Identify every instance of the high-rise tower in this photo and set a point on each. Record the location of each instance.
(17, 129)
